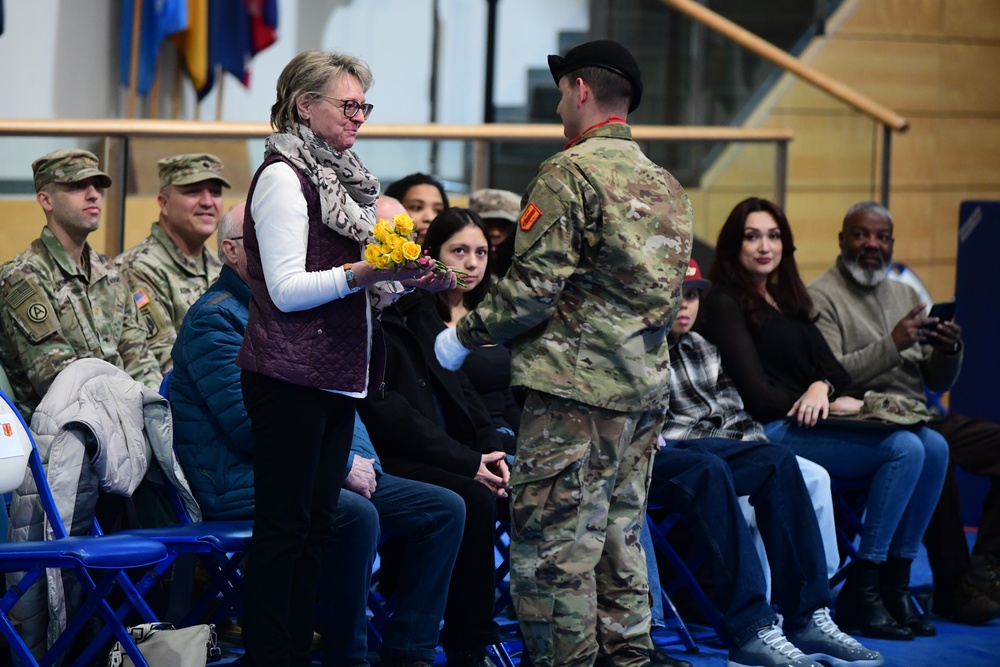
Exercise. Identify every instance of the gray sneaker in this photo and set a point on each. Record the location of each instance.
(769, 649)
(821, 639)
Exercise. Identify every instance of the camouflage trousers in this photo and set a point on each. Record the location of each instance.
(578, 573)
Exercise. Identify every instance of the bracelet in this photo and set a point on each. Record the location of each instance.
(829, 388)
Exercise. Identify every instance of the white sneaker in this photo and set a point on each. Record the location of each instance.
(769, 648)
(821, 639)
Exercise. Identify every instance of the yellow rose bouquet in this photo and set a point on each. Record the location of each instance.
(393, 248)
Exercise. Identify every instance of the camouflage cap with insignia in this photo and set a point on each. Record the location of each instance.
(491, 203)
(190, 168)
(67, 165)
(893, 408)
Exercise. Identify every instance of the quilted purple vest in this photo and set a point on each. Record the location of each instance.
(324, 347)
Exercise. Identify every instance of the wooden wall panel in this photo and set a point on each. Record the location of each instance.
(969, 77)
(967, 150)
(898, 17)
(23, 221)
(977, 19)
(747, 166)
(828, 151)
(850, 61)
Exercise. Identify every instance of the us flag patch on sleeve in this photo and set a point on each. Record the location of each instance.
(529, 217)
(140, 298)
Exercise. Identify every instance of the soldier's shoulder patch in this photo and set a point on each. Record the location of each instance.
(31, 308)
(140, 298)
(529, 217)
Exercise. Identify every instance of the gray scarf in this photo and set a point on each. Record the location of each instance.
(347, 191)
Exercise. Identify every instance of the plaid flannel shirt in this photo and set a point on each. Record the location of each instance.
(704, 402)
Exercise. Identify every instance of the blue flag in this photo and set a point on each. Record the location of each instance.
(228, 41)
(160, 18)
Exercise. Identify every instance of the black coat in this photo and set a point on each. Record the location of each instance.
(403, 418)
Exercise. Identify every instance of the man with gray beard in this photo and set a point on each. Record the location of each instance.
(879, 333)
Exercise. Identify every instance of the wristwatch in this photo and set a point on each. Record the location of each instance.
(352, 283)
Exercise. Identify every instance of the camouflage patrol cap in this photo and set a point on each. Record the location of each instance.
(603, 53)
(190, 168)
(67, 165)
(490, 203)
(893, 408)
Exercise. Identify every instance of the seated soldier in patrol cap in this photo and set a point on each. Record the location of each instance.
(62, 300)
(171, 268)
(500, 210)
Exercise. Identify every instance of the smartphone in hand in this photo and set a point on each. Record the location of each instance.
(944, 311)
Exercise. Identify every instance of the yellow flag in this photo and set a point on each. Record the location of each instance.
(192, 44)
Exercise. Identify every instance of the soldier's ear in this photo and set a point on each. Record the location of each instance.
(44, 200)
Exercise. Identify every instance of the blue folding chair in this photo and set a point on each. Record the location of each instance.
(684, 578)
(79, 555)
(219, 545)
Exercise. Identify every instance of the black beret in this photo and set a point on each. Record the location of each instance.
(605, 54)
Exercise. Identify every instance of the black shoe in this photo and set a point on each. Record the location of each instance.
(860, 610)
(969, 604)
(985, 575)
(659, 658)
(894, 587)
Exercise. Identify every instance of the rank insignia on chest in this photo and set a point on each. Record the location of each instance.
(140, 298)
(8, 430)
(529, 217)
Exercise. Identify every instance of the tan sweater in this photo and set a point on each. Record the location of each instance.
(857, 322)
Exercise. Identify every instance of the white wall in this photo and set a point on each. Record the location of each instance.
(59, 59)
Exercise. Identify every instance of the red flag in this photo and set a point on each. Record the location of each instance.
(263, 24)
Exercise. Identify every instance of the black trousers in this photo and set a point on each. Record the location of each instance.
(974, 444)
(468, 615)
(301, 442)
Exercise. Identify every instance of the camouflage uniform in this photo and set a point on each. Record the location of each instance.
(56, 312)
(165, 282)
(600, 257)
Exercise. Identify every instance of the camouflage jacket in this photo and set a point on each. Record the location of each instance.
(165, 283)
(54, 313)
(600, 253)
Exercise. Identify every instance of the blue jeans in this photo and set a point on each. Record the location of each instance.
(430, 519)
(701, 479)
(906, 469)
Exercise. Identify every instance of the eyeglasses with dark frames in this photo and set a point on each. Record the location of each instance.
(350, 107)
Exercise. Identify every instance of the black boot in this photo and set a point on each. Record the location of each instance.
(894, 586)
(859, 605)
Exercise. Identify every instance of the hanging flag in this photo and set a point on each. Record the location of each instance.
(192, 44)
(263, 24)
(228, 42)
(160, 18)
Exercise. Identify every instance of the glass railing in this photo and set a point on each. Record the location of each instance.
(129, 149)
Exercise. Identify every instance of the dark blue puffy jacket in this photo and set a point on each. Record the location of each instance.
(211, 428)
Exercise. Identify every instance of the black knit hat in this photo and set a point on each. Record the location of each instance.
(605, 54)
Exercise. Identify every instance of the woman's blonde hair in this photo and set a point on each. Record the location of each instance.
(308, 74)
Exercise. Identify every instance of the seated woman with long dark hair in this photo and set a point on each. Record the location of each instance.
(429, 424)
(760, 316)
(459, 238)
